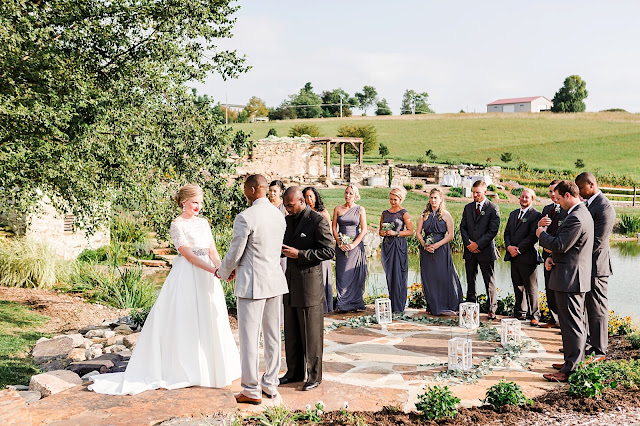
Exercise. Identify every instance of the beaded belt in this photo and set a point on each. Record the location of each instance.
(199, 251)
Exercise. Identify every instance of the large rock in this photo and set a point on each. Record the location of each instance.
(77, 338)
(95, 333)
(54, 382)
(13, 408)
(56, 364)
(131, 340)
(78, 354)
(84, 367)
(52, 349)
(123, 329)
(30, 396)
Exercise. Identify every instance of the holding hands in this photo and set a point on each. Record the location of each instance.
(473, 247)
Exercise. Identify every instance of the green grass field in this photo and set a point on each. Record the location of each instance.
(609, 142)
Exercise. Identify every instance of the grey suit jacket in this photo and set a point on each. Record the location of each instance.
(571, 248)
(522, 235)
(480, 229)
(255, 251)
(556, 218)
(604, 217)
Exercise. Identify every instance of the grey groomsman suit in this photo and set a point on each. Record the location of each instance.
(524, 267)
(571, 278)
(481, 229)
(260, 283)
(557, 215)
(597, 304)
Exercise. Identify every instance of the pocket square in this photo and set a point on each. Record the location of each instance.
(302, 234)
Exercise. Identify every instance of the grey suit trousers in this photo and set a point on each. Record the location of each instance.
(572, 327)
(551, 298)
(597, 316)
(251, 314)
(488, 275)
(525, 289)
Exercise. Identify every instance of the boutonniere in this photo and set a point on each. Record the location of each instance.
(560, 222)
(302, 234)
(482, 213)
(558, 208)
(524, 219)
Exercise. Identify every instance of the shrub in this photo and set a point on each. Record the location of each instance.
(505, 393)
(139, 316)
(620, 326)
(29, 264)
(272, 132)
(408, 186)
(304, 129)
(99, 255)
(502, 195)
(421, 160)
(625, 373)
(505, 304)
(419, 185)
(587, 381)
(579, 163)
(383, 150)
(430, 154)
(517, 191)
(492, 188)
(368, 133)
(416, 297)
(634, 339)
(455, 192)
(506, 157)
(629, 225)
(127, 228)
(438, 402)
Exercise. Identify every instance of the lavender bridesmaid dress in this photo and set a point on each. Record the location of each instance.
(351, 271)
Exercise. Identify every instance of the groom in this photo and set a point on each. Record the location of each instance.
(255, 249)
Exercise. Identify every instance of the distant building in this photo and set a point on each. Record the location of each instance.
(532, 104)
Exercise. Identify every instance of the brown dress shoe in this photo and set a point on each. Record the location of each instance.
(491, 315)
(243, 399)
(556, 377)
(558, 366)
(534, 322)
(549, 325)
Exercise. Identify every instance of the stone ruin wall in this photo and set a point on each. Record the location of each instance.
(359, 174)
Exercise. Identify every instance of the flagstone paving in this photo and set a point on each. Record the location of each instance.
(369, 367)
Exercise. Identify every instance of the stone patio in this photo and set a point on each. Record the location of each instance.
(369, 367)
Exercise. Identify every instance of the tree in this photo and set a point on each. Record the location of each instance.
(571, 96)
(94, 107)
(383, 108)
(304, 129)
(579, 163)
(415, 103)
(244, 116)
(506, 157)
(383, 150)
(369, 134)
(272, 132)
(367, 98)
(307, 103)
(283, 112)
(333, 98)
(257, 107)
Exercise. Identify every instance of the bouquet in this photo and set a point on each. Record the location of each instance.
(345, 239)
(387, 226)
(428, 240)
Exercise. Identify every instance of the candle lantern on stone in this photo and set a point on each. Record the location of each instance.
(469, 315)
(460, 354)
(384, 315)
(511, 331)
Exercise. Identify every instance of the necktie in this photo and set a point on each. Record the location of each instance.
(520, 216)
(478, 209)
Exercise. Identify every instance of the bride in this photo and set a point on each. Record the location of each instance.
(186, 340)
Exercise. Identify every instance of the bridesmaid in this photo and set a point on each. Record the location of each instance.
(313, 200)
(276, 189)
(351, 262)
(395, 259)
(440, 282)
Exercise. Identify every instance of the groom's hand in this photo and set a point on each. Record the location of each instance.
(232, 276)
(290, 252)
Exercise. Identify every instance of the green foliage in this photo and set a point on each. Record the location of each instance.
(619, 326)
(505, 304)
(629, 225)
(307, 104)
(570, 97)
(625, 373)
(438, 402)
(506, 157)
(492, 188)
(390, 176)
(505, 393)
(415, 103)
(634, 339)
(416, 296)
(369, 135)
(455, 192)
(276, 415)
(304, 129)
(430, 154)
(94, 106)
(383, 108)
(367, 98)
(333, 98)
(615, 110)
(139, 316)
(587, 381)
(502, 195)
(419, 185)
(257, 107)
(283, 112)
(488, 333)
(383, 150)
(29, 264)
(517, 191)
(128, 228)
(408, 186)
(272, 132)
(579, 163)
(421, 160)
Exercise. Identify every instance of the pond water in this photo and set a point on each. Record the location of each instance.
(623, 290)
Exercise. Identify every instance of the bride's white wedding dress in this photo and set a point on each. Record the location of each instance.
(186, 340)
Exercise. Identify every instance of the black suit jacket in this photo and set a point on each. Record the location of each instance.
(522, 235)
(312, 237)
(556, 220)
(480, 229)
(604, 217)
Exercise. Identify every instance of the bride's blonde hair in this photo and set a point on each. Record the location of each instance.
(429, 209)
(186, 192)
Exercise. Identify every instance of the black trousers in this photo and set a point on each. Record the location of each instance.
(303, 342)
(572, 328)
(524, 277)
(488, 274)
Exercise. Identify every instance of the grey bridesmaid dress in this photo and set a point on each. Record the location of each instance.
(440, 282)
(351, 271)
(395, 261)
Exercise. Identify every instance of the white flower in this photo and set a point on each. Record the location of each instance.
(308, 407)
(560, 222)
(320, 412)
(558, 208)
(524, 219)
(482, 213)
(321, 404)
(345, 405)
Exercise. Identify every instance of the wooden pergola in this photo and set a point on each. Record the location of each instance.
(331, 142)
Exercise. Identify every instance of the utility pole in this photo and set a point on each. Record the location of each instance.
(340, 106)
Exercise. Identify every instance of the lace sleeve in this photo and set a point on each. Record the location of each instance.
(177, 235)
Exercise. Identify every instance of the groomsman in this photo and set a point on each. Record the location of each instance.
(520, 240)
(479, 227)
(597, 304)
(570, 265)
(307, 242)
(552, 216)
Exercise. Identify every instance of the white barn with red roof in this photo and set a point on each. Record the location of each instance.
(531, 104)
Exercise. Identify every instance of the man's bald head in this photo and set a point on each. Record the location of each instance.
(255, 186)
(294, 200)
(587, 184)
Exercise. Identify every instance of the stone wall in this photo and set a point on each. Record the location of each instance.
(291, 159)
(360, 174)
(435, 173)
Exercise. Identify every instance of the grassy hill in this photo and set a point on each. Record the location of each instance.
(606, 141)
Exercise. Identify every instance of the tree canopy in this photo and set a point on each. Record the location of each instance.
(367, 98)
(383, 108)
(332, 98)
(415, 103)
(307, 103)
(257, 107)
(570, 97)
(94, 106)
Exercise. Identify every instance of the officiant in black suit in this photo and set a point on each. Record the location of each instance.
(478, 228)
(520, 241)
(307, 242)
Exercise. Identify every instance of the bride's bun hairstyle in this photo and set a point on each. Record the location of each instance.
(186, 192)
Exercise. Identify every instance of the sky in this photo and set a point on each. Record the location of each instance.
(464, 54)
